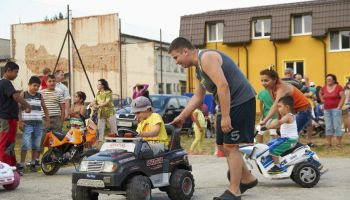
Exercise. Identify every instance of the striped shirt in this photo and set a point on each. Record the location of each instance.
(53, 99)
(35, 103)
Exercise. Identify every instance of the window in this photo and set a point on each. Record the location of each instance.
(183, 102)
(215, 32)
(173, 103)
(168, 88)
(160, 88)
(302, 24)
(262, 28)
(340, 40)
(297, 66)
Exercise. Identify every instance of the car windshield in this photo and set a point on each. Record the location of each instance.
(159, 102)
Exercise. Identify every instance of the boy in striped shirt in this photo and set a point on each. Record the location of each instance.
(54, 102)
(32, 123)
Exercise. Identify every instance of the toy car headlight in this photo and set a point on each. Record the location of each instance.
(83, 166)
(109, 166)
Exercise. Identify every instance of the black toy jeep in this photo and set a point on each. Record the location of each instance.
(127, 166)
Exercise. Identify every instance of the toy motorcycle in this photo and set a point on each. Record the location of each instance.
(64, 148)
(300, 163)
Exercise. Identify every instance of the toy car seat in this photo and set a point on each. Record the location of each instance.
(175, 137)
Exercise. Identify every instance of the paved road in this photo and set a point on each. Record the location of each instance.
(210, 179)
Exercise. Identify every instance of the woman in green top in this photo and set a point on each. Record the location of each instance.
(105, 109)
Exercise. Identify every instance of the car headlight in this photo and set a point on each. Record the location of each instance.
(109, 166)
(83, 166)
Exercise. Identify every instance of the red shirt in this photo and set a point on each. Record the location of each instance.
(43, 82)
(331, 99)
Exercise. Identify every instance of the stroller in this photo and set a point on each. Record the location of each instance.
(318, 123)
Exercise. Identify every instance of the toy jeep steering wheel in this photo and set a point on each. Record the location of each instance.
(125, 132)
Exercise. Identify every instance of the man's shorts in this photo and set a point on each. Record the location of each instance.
(243, 123)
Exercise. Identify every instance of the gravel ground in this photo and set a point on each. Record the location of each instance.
(210, 179)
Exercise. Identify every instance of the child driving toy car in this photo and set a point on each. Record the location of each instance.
(288, 129)
(151, 125)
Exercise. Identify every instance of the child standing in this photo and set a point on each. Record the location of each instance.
(266, 102)
(199, 127)
(31, 123)
(54, 102)
(288, 129)
(46, 72)
(9, 100)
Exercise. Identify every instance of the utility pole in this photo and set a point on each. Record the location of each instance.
(161, 63)
(120, 63)
(70, 66)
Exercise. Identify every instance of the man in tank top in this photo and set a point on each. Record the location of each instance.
(218, 74)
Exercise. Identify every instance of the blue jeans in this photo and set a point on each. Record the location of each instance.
(303, 119)
(32, 134)
(332, 118)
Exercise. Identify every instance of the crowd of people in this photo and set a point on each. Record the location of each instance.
(287, 106)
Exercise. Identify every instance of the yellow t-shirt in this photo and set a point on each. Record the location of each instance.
(147, 125)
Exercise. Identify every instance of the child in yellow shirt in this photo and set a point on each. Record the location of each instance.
(151, 125)
(199, 126)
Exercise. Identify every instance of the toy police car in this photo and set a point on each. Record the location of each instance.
(9, 177)
(128, 166)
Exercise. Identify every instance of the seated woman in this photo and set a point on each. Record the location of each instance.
(151, 125)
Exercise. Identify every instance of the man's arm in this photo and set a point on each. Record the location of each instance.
(62, 108)
(20, 121)
(21, 100)
(211, 65)
(66, 107)
(46, 111)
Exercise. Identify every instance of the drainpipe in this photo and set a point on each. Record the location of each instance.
(324, 55)
(238, 56)
(276, 56)
(246, 60)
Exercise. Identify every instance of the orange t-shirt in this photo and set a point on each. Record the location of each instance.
(300, 100)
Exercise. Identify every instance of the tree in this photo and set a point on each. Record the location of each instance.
(55, 17)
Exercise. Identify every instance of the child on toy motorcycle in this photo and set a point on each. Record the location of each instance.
(151, 125)
(288, 129)
(77, 110)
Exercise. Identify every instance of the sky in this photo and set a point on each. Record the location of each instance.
(142, 18)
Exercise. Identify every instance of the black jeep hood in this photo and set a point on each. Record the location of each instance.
(110, 155)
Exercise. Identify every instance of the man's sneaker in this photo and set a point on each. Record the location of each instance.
(20, 168)
(275, 170)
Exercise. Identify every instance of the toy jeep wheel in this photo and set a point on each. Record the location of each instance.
(83, 193)
(48, 165)
(138, 188)
(306, 175)
(181, 185)
(15, 183)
